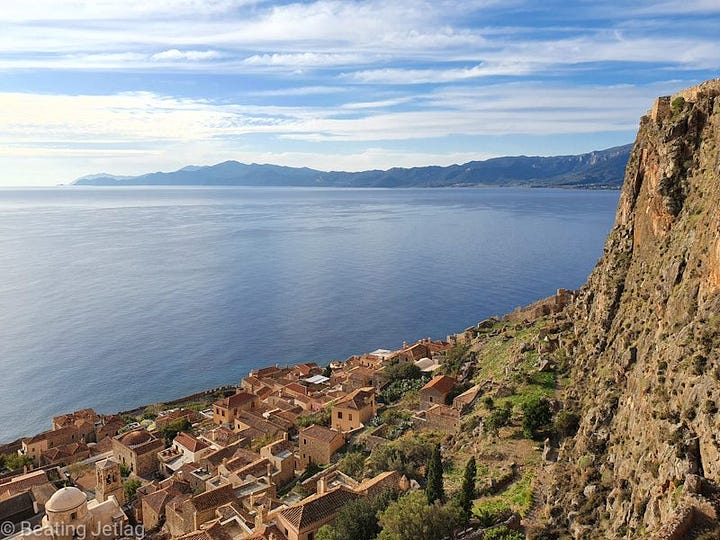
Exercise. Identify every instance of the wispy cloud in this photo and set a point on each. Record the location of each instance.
(196, 78)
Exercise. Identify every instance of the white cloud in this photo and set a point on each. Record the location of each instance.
(174, 55)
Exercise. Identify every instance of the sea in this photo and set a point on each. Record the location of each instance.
(112, 298)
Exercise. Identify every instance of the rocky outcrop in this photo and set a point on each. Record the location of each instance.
(645, 336)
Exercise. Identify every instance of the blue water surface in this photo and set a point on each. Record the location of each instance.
(115, 297)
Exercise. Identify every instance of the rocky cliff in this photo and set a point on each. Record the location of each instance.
(644, 336)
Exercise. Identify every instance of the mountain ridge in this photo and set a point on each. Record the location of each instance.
(592, 170)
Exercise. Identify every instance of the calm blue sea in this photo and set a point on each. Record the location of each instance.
(116, 297)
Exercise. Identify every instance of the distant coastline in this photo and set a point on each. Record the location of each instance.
(602, 169)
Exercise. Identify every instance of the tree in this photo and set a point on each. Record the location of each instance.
(412, 518)
(353, 464)
(434, 488)
(173, 428)
(358, 519)
(537, 416)
(130, 488)
(467, 493)
(327, 532)
(15, 462)
(401, 371)
(406, 455)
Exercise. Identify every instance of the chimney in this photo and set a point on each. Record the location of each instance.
(321, 485)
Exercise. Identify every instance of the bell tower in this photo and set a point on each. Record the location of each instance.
(108, 481)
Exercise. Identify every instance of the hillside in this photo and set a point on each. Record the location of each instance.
(600, 169)
(642, 342)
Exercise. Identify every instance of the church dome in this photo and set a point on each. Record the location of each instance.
(65, 499)
(135, 438)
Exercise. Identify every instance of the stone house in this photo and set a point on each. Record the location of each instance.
(184, 449)
(352, 411)
(225, 410)
(137, 450)
(317, 444)
(436, 391)
(358, 377)
(439, 417)
(36, 446)
(302, 520)
(185, 516)
(280, 455)
(62, 456)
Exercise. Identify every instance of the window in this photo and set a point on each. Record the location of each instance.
(304, 441)
(350, 417)
(73, 516)
(339, 415)
(431, 399)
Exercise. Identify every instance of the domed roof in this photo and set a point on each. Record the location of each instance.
(136, 437)
(65, 499)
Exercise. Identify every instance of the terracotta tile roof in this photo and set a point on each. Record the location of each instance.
(259, 423)
(51, 435)
(240, 398)
(441, 383)
(18, 484)
(191, 443)
(317, 508)
(297, 388)
(156, 501)
(266, 372)
(358, 399)
(320, 433)
(63, 420)
(214, 498)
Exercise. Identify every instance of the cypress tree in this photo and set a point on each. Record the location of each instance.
(467, 494)
(434, 488)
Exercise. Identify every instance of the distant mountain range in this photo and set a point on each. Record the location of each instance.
(594, 170)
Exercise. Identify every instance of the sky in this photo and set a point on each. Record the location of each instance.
(133, 86)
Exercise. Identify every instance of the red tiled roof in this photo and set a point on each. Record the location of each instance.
(320, 433)
(214, 498)
(317, 508)
(441, 383)
(191, 443)
(358, 399)
(235, 400)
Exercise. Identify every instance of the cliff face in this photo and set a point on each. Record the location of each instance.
(645, 339)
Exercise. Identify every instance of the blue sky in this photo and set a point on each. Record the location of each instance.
(135, 86)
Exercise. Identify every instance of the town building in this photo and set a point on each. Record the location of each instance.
(225, 410)
(137, 450)
(352, 411)
(436, 391)
(317, 444)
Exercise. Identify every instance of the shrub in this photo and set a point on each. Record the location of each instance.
(503, 533)
(130, 488)
(537, 415)
(677, 105)
(352, 464)
(498, 418)
(321, 418)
